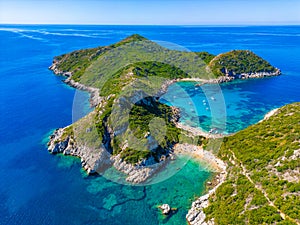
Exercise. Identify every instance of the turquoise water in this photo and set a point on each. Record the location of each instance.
(39, 188)
(237, 105)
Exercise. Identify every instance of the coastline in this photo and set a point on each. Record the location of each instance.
(269, 114)
(212, 162)
(136, 175)
(228, 78)
(94, 99)
(199, 132)
(195, 215)
(66, 146)
(243, 76)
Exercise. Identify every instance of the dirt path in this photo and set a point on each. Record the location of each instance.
(246, 174)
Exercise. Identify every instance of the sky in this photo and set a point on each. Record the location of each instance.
(151, 12)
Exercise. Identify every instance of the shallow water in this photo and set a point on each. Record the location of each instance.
(246, 102)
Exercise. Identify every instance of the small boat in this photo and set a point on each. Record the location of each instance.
(212, 130)
(213, 98)
(207, 108)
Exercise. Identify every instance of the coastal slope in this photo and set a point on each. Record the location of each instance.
(241, 64)
(263, 181)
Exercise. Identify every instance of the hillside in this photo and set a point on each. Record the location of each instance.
(75, 63)
(263, 182)
(241, 63)
(93, 67)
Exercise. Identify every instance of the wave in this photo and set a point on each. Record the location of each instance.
(275, 34)
(22, 34)
(43, 32)
(64, 34)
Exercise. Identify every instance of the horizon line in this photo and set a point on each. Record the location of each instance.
(97, 24)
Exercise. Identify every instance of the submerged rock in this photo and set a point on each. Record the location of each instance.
(166, 209)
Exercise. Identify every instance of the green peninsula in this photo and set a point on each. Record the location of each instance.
(130, 130)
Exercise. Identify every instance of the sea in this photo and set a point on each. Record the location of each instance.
(39, 188)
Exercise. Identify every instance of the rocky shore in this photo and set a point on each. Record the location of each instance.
(198, 132)
(95, 98)
(243, 76)
(269, 114)
(137, 174)
(196, 215)
(97, 160)
(92, 160)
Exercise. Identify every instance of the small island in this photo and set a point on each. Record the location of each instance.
(132, 131)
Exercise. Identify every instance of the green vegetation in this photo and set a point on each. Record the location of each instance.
(205, 56)
(133, 156)
(78, 61)
(135, 67)
(143, 113)
(145, 69)
(127, 74)
(100, 119)
(96, 66)
(131, 38)
(267, 151)
(68, 132)
(238, 62)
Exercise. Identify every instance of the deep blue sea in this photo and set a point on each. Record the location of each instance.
(39, 188)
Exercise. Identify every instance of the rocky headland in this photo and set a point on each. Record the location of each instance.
(231, 77)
